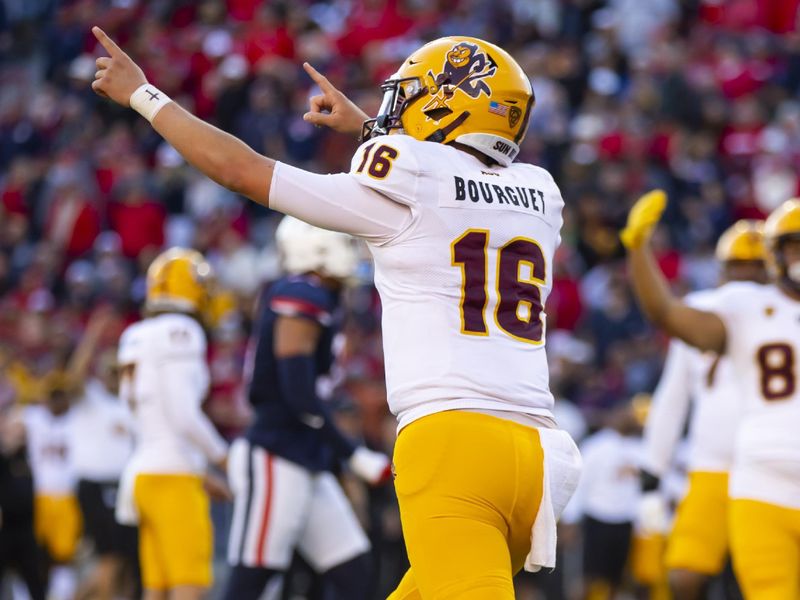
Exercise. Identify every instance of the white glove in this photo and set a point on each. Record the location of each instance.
(373, 467)
(653, 514)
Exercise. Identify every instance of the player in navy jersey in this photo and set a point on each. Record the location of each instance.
(281, 471)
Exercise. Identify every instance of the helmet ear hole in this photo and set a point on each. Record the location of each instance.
(437, 114)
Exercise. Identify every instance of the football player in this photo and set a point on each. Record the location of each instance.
(164, 379)
(287, 497)
(57, 516)
(463, 240)
(756, 327)
(698, 543)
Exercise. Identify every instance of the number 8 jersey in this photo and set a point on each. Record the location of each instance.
(763, 342)
(463, 267)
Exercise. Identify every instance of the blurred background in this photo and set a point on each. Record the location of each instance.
(699, 97)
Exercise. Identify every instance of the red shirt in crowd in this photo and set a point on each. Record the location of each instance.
(139, 225)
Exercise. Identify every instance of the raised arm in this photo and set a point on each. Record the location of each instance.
(698, 328)
(338, 202)
(225, 159)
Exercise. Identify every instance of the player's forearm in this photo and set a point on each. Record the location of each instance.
(184, 385)
(297, 377)
(219, 155)
(650, 286)
(698, 328)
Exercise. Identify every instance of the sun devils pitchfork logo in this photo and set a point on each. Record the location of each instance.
(465, 68)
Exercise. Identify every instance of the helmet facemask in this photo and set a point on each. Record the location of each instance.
(398, 94)
(788, 274)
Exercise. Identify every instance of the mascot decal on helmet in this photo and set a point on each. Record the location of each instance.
(465, 68)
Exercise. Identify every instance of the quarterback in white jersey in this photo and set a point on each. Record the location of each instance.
(756, 327)
(698, 542)
(164, 379)
(463, 241)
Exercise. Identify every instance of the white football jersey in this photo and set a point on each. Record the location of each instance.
(707, 382)
(101, 434)
(165, 380)
(49, 451)
(763, 343)
(463, 264)
(463, 287)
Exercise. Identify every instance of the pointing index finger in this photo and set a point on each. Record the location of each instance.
(107, 43)
(319, 78)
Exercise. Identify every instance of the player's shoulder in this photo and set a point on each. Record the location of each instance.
(535, 172)
(302, 296)
(33, 415)
(376, 158)
(742, 292)
(393, 165)
(174, 334)
(704, 299)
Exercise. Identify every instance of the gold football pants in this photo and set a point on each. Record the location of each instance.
(765, 546)
(469, 487)
(699, 538)
(175, 532)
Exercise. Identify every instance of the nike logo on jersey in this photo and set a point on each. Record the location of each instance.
(492, 193)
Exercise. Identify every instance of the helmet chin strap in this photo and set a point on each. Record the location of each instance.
(440, 135)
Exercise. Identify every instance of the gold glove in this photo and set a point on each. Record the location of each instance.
(643, 218)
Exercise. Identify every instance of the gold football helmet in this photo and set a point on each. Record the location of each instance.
(744, 240)
(178, 280)
(458, 89)
(220, 308)
(781, 225)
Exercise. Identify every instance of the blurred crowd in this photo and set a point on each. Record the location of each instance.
(696, 96)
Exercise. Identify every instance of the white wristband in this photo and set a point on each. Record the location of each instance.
(147, 100)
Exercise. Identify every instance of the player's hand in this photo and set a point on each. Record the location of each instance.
(332, 108)
(643, 218)
(373, 467)
(652, 515)
(217, 488)
(117, 76)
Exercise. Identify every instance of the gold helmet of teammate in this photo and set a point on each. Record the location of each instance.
(458, 89)
(744, 240)
(220, 309)
(782, 225)
(179, 280)
(742, 253)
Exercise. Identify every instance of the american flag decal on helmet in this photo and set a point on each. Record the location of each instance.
(498, 109)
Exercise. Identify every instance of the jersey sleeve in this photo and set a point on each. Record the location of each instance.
(301, 299)
(733, 303)
(129, 346)
(338, 202)
(668, 411)
(389, 166)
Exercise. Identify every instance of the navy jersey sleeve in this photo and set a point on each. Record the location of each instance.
(297, 297)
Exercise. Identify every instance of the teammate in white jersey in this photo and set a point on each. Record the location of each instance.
(463, 240)
(758, 328)
(698, 542)
(164, 379)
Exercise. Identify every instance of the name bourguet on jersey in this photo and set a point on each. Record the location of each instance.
(763, 328)
(464, 284)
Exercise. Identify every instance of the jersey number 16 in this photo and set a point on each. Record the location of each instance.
(518, 310)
